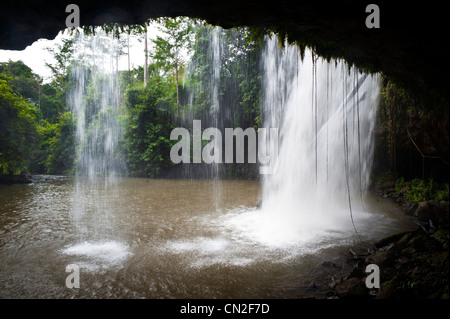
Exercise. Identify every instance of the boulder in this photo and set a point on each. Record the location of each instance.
(410, 208)
(350, 288)
(390, 239)
(379, 258)
(426, 211)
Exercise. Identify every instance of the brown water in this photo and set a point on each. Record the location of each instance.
(147, 238)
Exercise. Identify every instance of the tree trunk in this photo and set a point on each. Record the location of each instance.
(117, 83)
(128, 47)
(39, 92)
(178, 94)
(146, 60)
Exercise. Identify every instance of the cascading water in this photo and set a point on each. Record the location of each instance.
(94, 102)
(211, 115)
(325, 115)
(215, 85)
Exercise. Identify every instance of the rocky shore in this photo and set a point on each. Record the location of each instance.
(26, 178)
(22, 178)
(412, 265)
(45, 178)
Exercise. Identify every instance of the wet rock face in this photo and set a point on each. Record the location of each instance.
(412, 264)
(409, 45)
(351, 288)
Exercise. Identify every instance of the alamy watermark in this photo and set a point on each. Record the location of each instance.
(373, 279)
(373, 19)
(73, 280)
(73, 19)
(212, 152)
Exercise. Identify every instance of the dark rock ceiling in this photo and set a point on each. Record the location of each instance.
(408, 46)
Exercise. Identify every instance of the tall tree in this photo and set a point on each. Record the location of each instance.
(63, 54)
(25, 82)
(168, 49)
(146, 58)
(30, 86)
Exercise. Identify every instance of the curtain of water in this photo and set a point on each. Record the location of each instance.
(205, 79)
(325, 113)
(94, 102)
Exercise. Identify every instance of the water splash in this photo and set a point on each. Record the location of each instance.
(98, 256)
(325, 113)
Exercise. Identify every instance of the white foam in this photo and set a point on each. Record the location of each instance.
(201, 245)
(98, 255)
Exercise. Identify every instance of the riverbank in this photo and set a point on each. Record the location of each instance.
(28, 178)
(45, 178)
(413, 264)
(15, 179)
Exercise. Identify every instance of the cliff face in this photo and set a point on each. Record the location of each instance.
(408, 47)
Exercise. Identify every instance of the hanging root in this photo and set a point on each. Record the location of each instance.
(344, 124)
(359, 146)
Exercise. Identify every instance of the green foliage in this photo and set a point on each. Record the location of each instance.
(24, 82)
(412, 136)
(35, 136)
(147, 128)
(37, 132)
(52, 103)
(168, 49)
(399, 184)
(240, 91)
(442, 194)
(63, 55)
(58, 147)
(386, 176)
(116, 29)
(419, 190)
(18, 130)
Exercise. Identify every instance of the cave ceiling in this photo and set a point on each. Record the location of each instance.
(408, 45)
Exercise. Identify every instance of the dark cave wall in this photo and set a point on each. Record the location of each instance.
(408, 47)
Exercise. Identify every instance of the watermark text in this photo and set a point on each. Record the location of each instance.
(212, 151)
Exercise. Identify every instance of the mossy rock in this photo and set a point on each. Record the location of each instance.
(390, 239)
(442, 236)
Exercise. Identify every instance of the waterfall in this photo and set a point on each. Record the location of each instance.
(94, 102)
(325, 114)
(206, 88)
(215, 85)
